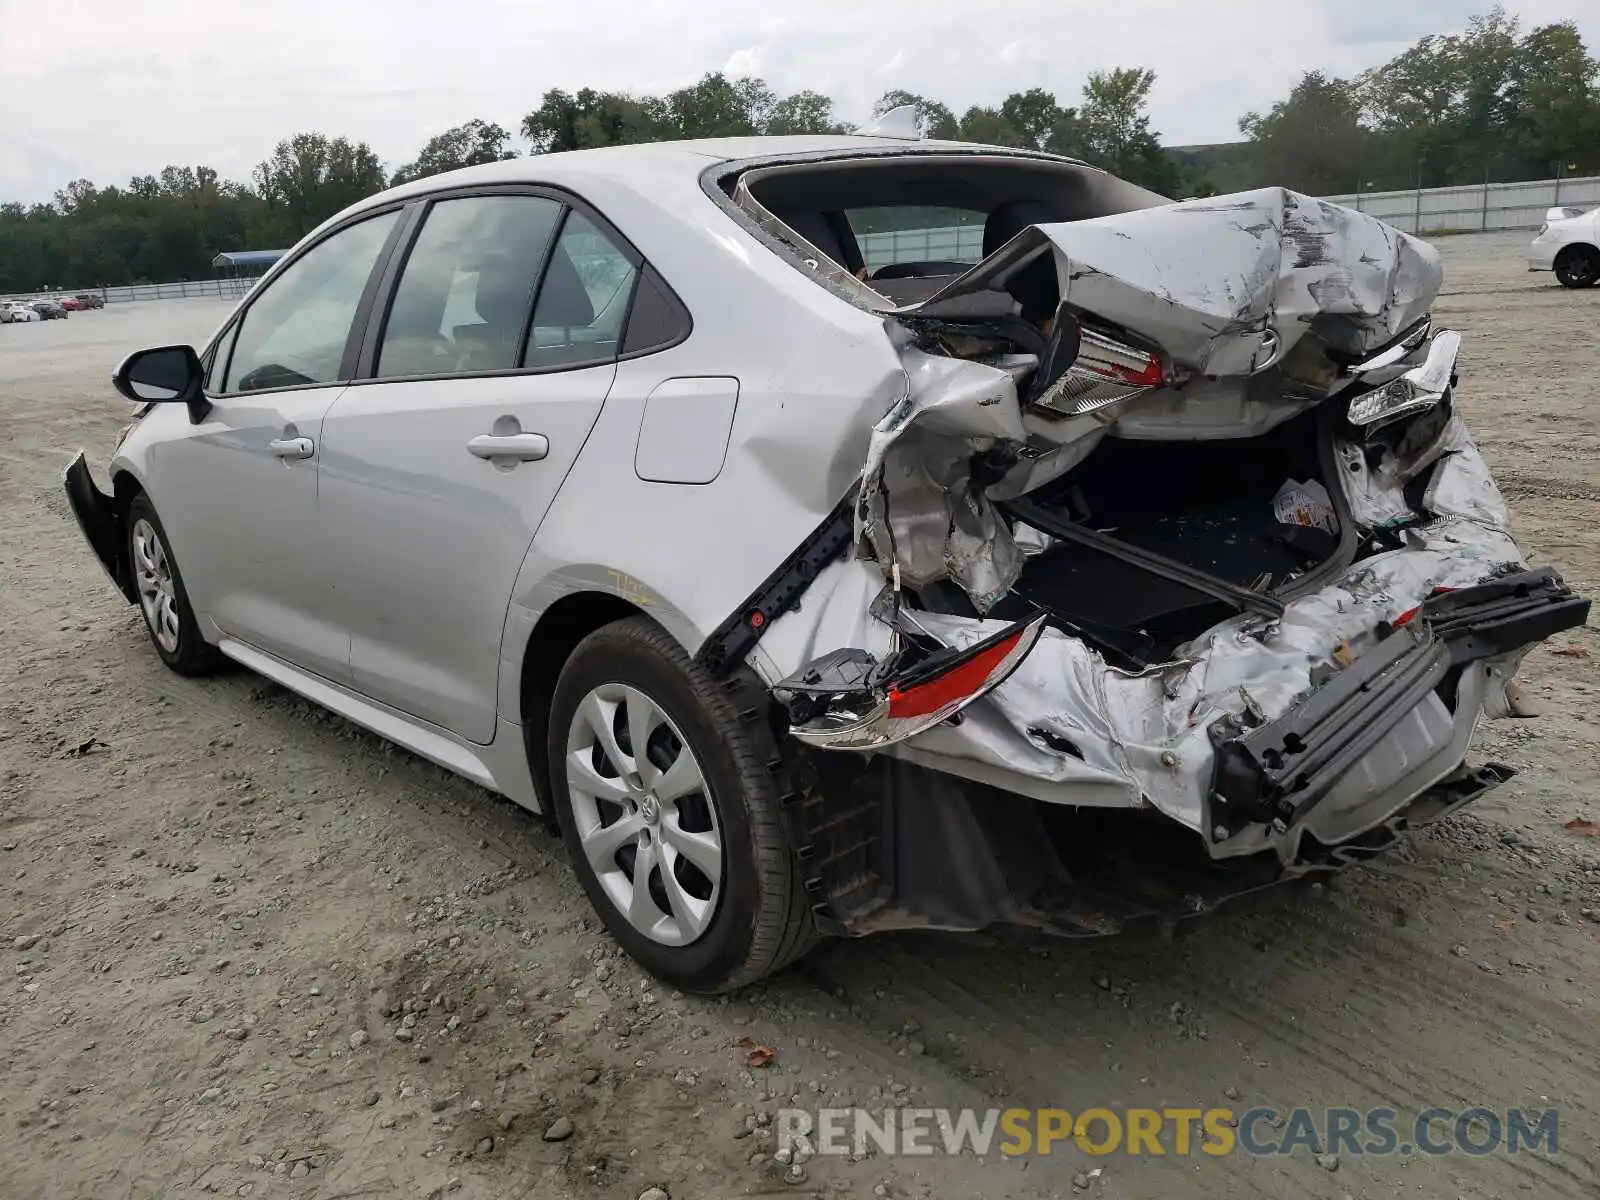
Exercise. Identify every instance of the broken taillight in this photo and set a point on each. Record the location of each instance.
(1104, 372)
(848, 701)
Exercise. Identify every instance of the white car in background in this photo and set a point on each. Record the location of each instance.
(1568, 243)
(13, 312)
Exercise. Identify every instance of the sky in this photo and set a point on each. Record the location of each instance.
(109, 89)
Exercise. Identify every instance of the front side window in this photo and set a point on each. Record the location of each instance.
(294, 333)
(583, 299)
(464, 295)
(216, 359)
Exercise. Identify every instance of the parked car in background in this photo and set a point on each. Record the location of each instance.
(49, 310)
(15, 312)
(70, 303)
(1568, 243)
(90, 299)
(1133, 560)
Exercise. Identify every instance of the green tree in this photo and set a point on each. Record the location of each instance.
(989, 127)
(590, 118)
(311, 176)
(1444, 107)
(1115, 129)
(1035, 115)
(467, 145)
(803, 112)
(717, 106)
(1312, 141)
(1556, 121)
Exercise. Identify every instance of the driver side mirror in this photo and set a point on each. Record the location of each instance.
(164, 375)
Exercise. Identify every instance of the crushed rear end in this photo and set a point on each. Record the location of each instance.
(1200, 585)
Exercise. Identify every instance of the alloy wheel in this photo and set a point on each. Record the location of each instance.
(158, 592)
(643, 814)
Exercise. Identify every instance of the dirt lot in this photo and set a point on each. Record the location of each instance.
(221, 904)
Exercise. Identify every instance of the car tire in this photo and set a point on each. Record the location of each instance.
(754, 917)
(162, 599)
(1578, 267)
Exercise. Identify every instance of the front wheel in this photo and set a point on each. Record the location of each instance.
(163, 600)
(667, 785)
(1578, 267)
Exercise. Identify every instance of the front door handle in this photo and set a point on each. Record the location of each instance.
(524, 447)
(295, 447)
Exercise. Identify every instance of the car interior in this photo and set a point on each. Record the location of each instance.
(471, 318)
(818, 200)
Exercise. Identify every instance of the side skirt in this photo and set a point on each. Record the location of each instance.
(501, 766)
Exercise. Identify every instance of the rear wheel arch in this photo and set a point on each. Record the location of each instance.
(555, 636)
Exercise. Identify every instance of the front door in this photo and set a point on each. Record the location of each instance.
(238, 495)
(438, 470)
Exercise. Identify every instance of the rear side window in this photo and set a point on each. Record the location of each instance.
(294, 333)
(657, 319)
(463, 298)
(583, 299)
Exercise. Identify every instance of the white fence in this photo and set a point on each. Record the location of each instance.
(1477, 207)
(951, 243)
(223, 289)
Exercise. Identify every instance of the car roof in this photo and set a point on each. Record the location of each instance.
(640, 163)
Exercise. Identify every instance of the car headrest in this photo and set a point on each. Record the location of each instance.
(1011, 218)
(502, 294)
(563, 300)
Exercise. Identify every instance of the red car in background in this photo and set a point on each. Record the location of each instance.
(70, 303)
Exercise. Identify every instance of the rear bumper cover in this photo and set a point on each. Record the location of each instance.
(1278, 771)
(1377, 749)
(100, 518)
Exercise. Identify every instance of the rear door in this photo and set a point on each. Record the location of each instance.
(486, 375)
(238, 492)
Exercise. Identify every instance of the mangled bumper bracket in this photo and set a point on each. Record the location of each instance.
(733, 640)
(1505, 614)
(1278, 771)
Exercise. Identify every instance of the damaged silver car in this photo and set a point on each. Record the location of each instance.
(847, 534)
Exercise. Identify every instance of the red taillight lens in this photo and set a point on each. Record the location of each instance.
(1409, 615)
(955, 684)
(1150, 376)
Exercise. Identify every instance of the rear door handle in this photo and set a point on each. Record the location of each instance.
(295, 447)
(524, 447)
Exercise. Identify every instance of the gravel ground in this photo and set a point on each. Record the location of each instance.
(253, 950)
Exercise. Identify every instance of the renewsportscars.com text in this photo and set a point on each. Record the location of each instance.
(1015, 1132)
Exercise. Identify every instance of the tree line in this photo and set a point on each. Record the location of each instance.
(1494, 102)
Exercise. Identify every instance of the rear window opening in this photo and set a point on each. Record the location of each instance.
(906, 223)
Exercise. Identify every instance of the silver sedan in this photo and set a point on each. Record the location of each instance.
(838, 534)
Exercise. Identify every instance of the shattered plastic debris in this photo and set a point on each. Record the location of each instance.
(1305, 504)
